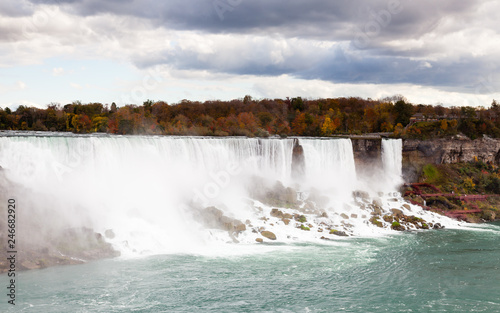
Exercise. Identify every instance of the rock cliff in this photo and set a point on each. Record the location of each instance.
(451, 150)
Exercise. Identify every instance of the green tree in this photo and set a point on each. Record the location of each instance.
(468, 112)
(403, 111)
(298, 104)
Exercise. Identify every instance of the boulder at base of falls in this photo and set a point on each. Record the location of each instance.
(344, 216)
(259, 240)
(231, 224)
(397, 212)
(397, 226)
(279, 196)
(215, 218)
(377, 210)
(374, 220)
(276, 213)
(268, 235)
(338, 233)
(438, 226)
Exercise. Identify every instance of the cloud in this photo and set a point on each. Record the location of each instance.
(14, 105)
(76, 86)
(16, 8)
(14, 87)
(311, 18)
(57, 71)
(21, 85)
(445, 44)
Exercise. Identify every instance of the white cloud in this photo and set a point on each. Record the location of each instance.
(76, 86)
(425, 64)
(57, 71)
(266, 59)
(21, 85)
(14, 87)
(15, 105)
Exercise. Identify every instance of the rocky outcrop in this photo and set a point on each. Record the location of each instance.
(41, 245)
(298, 160)
(279, 196)
(212, 217)
(74, 246)
(454, 150)
(367, 151)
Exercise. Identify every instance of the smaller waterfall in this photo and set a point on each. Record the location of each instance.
(392, 160)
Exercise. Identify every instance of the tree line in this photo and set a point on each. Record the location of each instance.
(261, 118)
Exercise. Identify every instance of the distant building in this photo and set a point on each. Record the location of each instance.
(418, 117)
(421, 117)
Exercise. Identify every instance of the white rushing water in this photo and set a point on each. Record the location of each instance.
(392, 158)
(330, 164)
(144, 188)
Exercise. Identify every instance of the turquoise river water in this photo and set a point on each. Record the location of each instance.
(451, 270)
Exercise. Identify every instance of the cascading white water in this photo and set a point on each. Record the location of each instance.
(330, 166)
(392, 160)
(140, 186)
(145, 188)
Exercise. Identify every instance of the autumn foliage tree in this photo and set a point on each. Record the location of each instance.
(265, 117)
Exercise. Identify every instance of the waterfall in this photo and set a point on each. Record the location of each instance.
(150, 190)
(136, 185)
(392, 159)
(330, 165)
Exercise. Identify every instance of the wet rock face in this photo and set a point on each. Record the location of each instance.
(276, 195)
(298, 160)
(456, 150)
(84, 243)
(367, 151)
(281, 196)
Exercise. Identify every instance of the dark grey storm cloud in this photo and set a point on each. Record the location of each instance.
(316, 18)
(368, 29)
(16, 8)
(468, 73)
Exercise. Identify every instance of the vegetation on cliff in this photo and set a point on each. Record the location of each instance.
(250, 117)
(469, 191)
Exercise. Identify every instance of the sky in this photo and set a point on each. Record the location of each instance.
(128, 51)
